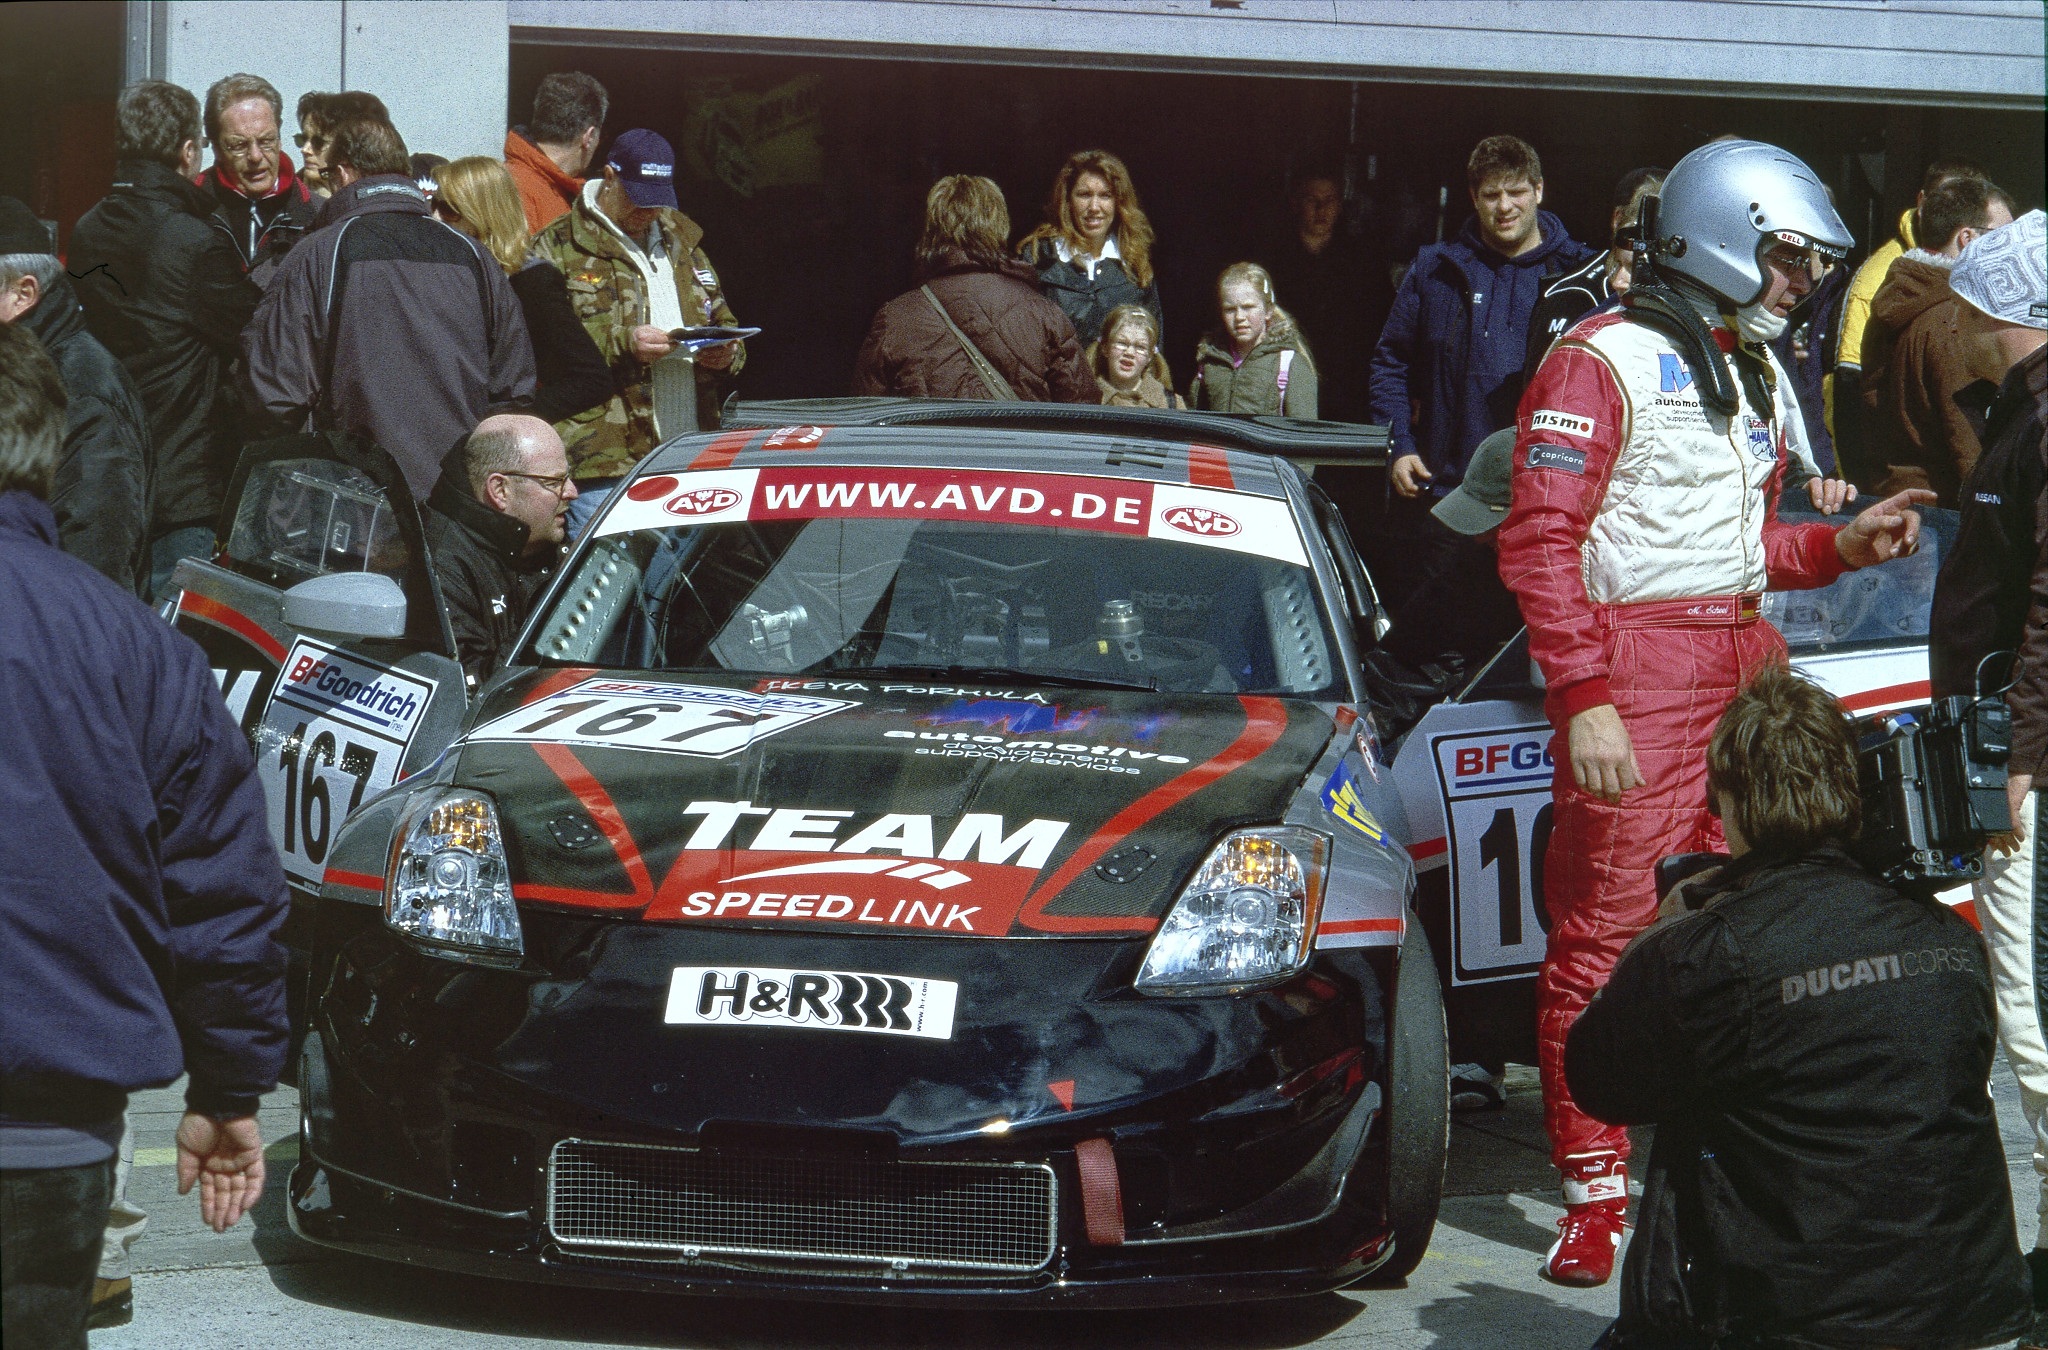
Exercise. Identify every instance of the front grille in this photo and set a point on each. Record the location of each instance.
(901, 1215)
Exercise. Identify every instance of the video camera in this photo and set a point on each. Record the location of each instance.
(1934, 792)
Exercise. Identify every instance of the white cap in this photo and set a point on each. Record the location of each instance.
(2005, 273)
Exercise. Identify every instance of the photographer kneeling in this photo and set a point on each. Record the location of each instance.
(1814, 1047)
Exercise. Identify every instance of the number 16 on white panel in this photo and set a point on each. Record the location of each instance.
(1496, 787)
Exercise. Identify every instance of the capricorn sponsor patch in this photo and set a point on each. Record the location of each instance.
(1549, 419)
(811, 1000)
(1556, 457)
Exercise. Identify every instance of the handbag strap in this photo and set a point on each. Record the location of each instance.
(991, 378)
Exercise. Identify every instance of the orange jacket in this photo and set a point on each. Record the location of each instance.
(544, 190)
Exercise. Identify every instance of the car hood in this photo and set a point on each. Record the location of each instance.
(871, 806)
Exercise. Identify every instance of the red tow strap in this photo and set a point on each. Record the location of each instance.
(1102, 1197)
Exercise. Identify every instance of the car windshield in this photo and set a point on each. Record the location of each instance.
(1151, 587)
(1876, 606)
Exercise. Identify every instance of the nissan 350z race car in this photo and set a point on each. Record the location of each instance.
(901, 863)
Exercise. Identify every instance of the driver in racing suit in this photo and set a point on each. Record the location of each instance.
(1648, 456)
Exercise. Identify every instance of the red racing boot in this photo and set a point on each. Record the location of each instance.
(1595, 1210)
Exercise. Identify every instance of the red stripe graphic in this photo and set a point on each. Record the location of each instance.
(605, 812)
(213, 611)
(721, 452)
(1917, 691)
(556, 683)
(1265, 719)
(1359, 926)
(1427, 848)
(362, 881)
(1209, 467)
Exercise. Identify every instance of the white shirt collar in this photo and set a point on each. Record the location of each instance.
(1067, 254)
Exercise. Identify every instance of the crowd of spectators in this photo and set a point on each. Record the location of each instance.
(252, 296)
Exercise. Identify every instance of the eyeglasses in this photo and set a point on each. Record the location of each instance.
(1790, 258)
(1141, 348)
(302, 140)
(555, 483)
(237, 148)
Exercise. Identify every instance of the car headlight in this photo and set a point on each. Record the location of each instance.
(450, 882)
(1246, 918)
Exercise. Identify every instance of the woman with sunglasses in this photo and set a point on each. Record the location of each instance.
(476, 195)
(319, 114)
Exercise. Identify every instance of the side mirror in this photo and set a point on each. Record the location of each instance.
(347, 604)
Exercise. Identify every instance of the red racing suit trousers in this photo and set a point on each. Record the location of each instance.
(1671, 679)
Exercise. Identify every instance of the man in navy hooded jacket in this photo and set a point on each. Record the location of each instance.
(140, 895)
(1448, 369)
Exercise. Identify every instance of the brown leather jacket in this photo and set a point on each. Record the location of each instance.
(910, 352)
(1912, 368)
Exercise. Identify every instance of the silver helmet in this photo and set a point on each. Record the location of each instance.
(1725, 204)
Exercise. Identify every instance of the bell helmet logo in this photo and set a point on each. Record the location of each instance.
(702, 502)
(1201, 520)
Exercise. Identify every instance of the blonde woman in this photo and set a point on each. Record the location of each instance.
(477, 196)
(1127, 364)
(1257, 361)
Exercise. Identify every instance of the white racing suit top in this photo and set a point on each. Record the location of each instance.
(1627, 489)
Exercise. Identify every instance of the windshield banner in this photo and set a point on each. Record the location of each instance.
(1237, 521)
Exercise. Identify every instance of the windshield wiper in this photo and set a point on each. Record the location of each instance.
(1058, 679)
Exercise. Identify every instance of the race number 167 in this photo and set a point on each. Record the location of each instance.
(310, 812)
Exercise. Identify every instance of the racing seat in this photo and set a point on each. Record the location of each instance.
(1177, 594)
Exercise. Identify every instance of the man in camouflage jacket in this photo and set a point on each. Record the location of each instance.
(632, 211)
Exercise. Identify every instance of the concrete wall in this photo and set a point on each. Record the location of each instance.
(1967, 53)
(439, 65)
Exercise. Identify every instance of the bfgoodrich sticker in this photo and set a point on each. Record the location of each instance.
(811, 1000)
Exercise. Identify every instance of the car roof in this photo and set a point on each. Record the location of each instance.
(960, 448)
(1201, 450)
(1288, 437)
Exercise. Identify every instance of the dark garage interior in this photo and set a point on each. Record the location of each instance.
(808, 175)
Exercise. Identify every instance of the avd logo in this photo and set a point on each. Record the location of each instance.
(701, 501)
(1202, 521)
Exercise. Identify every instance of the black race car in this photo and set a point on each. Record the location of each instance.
(939, 859)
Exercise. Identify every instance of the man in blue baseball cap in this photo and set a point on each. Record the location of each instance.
(636, 274)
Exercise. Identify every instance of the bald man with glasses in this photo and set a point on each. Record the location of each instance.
(496, 529)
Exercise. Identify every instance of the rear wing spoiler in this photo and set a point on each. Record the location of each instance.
(1292, 438)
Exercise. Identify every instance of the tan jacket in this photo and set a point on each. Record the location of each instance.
(608, 294)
